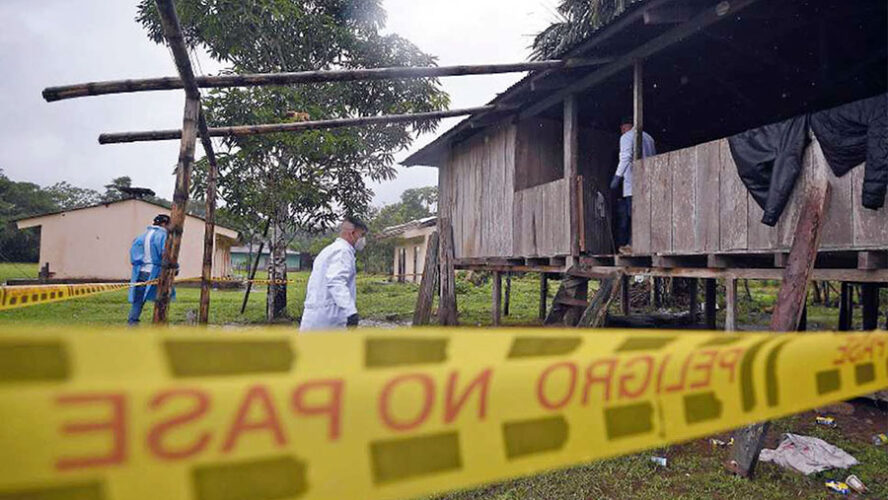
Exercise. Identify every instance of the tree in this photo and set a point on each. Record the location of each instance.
(577, 19)
(111, 191)
(19, 200)
(67, 197)
(305, 181)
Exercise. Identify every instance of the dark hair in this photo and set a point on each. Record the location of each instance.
(161, 219)
(630, 120)
(356, 222)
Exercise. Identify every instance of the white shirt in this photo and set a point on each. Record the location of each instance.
(331, 293)
(627, 147)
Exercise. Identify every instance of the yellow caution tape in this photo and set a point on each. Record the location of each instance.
(267, 414)
(13, 297)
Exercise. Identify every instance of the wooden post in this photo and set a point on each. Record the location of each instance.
(508, 298)
(51, 94)
(274, 128)
(423, 311)
(846, 308)
(869, 299)
(447, 315)
(790, 304)
(806, 241)
(496, 306)
(693, 303)
(172, 31)
(638, 108)
(170, 264)
(709, 305)
(206, 275)
(624, 295)
(595, 315)
(252, 274)
(571, 168)
(731, 304)
(544, 295)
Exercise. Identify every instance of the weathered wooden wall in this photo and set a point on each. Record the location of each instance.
(539, 152)
(480, 178)
(692, 201)
(540, 222)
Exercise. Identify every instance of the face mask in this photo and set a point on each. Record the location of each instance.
(361, 243)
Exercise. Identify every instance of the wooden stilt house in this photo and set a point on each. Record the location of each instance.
(525, 187)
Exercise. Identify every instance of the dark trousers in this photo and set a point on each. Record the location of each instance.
(624, 221)
(138, 300)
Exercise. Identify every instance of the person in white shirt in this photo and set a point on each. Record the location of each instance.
(624, 174)
(330, 300)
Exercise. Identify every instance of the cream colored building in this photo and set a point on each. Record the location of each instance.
(94, 242)
(410, 249)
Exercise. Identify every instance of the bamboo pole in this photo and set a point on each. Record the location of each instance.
(172, 31)
(303, 77)
(248, 130)
(209, 223)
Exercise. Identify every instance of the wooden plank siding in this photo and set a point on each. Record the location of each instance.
(733, 199)
(541, 220)
(661, 202)
(480, 172)
(692, 201)
(641, 206)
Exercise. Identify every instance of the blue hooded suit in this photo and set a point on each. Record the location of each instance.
(146, 253)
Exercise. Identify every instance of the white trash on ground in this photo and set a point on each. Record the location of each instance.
(807, 455)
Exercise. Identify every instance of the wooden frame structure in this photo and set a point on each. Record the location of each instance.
(194, 125)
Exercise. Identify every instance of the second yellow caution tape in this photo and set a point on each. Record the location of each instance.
(267, 414)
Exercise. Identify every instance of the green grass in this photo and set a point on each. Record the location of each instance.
(378, 299)
(695, 471)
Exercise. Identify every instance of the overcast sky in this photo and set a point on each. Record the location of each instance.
(55, 42)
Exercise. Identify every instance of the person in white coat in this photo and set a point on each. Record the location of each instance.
(330, 297)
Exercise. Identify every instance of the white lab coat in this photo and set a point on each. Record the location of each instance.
(331, 293)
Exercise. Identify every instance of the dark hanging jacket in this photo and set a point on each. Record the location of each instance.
(853, 133)
(769, 160)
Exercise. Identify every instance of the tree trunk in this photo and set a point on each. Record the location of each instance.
(276, 306)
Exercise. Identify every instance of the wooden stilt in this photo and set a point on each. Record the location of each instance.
(846, 308)
(693, 304)
(496, 305)
(624, 295)
(870, 305)
(544, 295)
(508, 298)
(447, 315)
(709, 305)
(731, 304)
(790, 305)
(595, 315)
(566, 306)
(423, 311)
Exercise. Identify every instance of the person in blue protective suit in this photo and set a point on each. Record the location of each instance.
(330, 297)
(146, 255)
